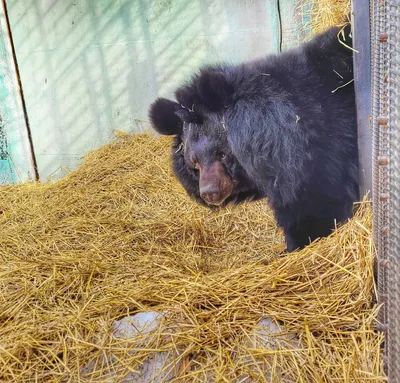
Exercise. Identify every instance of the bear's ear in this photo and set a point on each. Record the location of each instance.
(163, 117)
(214, 90)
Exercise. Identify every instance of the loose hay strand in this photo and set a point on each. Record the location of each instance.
(119, 236)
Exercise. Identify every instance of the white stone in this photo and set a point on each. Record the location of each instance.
(269, 335)
(141, 326)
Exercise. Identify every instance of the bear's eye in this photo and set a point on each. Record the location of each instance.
(194, 165)
(221, 156)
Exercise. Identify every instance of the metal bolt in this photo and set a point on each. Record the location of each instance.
(383, 160)
(382, 121)
(383, 197)
(383, 37)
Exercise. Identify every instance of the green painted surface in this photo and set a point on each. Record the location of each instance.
(89, 67)
(7, 171)
(293, 23)
(16, 163)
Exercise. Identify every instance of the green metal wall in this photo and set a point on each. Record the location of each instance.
(16, 161)
(89, 67)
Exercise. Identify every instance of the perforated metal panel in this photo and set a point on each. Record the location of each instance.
(386, 172)
(393, 274)
(380, 143)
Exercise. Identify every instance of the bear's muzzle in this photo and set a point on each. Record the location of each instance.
(215, 184)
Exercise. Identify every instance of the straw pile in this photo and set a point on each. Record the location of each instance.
(322, 14)
(119, 236)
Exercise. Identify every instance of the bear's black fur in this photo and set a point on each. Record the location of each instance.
(283, 127)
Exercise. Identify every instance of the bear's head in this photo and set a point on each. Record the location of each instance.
(201, 155)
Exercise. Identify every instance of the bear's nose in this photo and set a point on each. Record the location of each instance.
(211, 194)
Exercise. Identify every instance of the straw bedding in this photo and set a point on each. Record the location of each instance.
(322, 14)
(119, 236)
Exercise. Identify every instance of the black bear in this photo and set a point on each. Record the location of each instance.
(282, 128)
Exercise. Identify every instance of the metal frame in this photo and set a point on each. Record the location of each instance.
(386, 172)
(362, 85)
(393, 255)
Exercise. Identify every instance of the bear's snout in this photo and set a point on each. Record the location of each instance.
(215, 184)
(211, 194)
